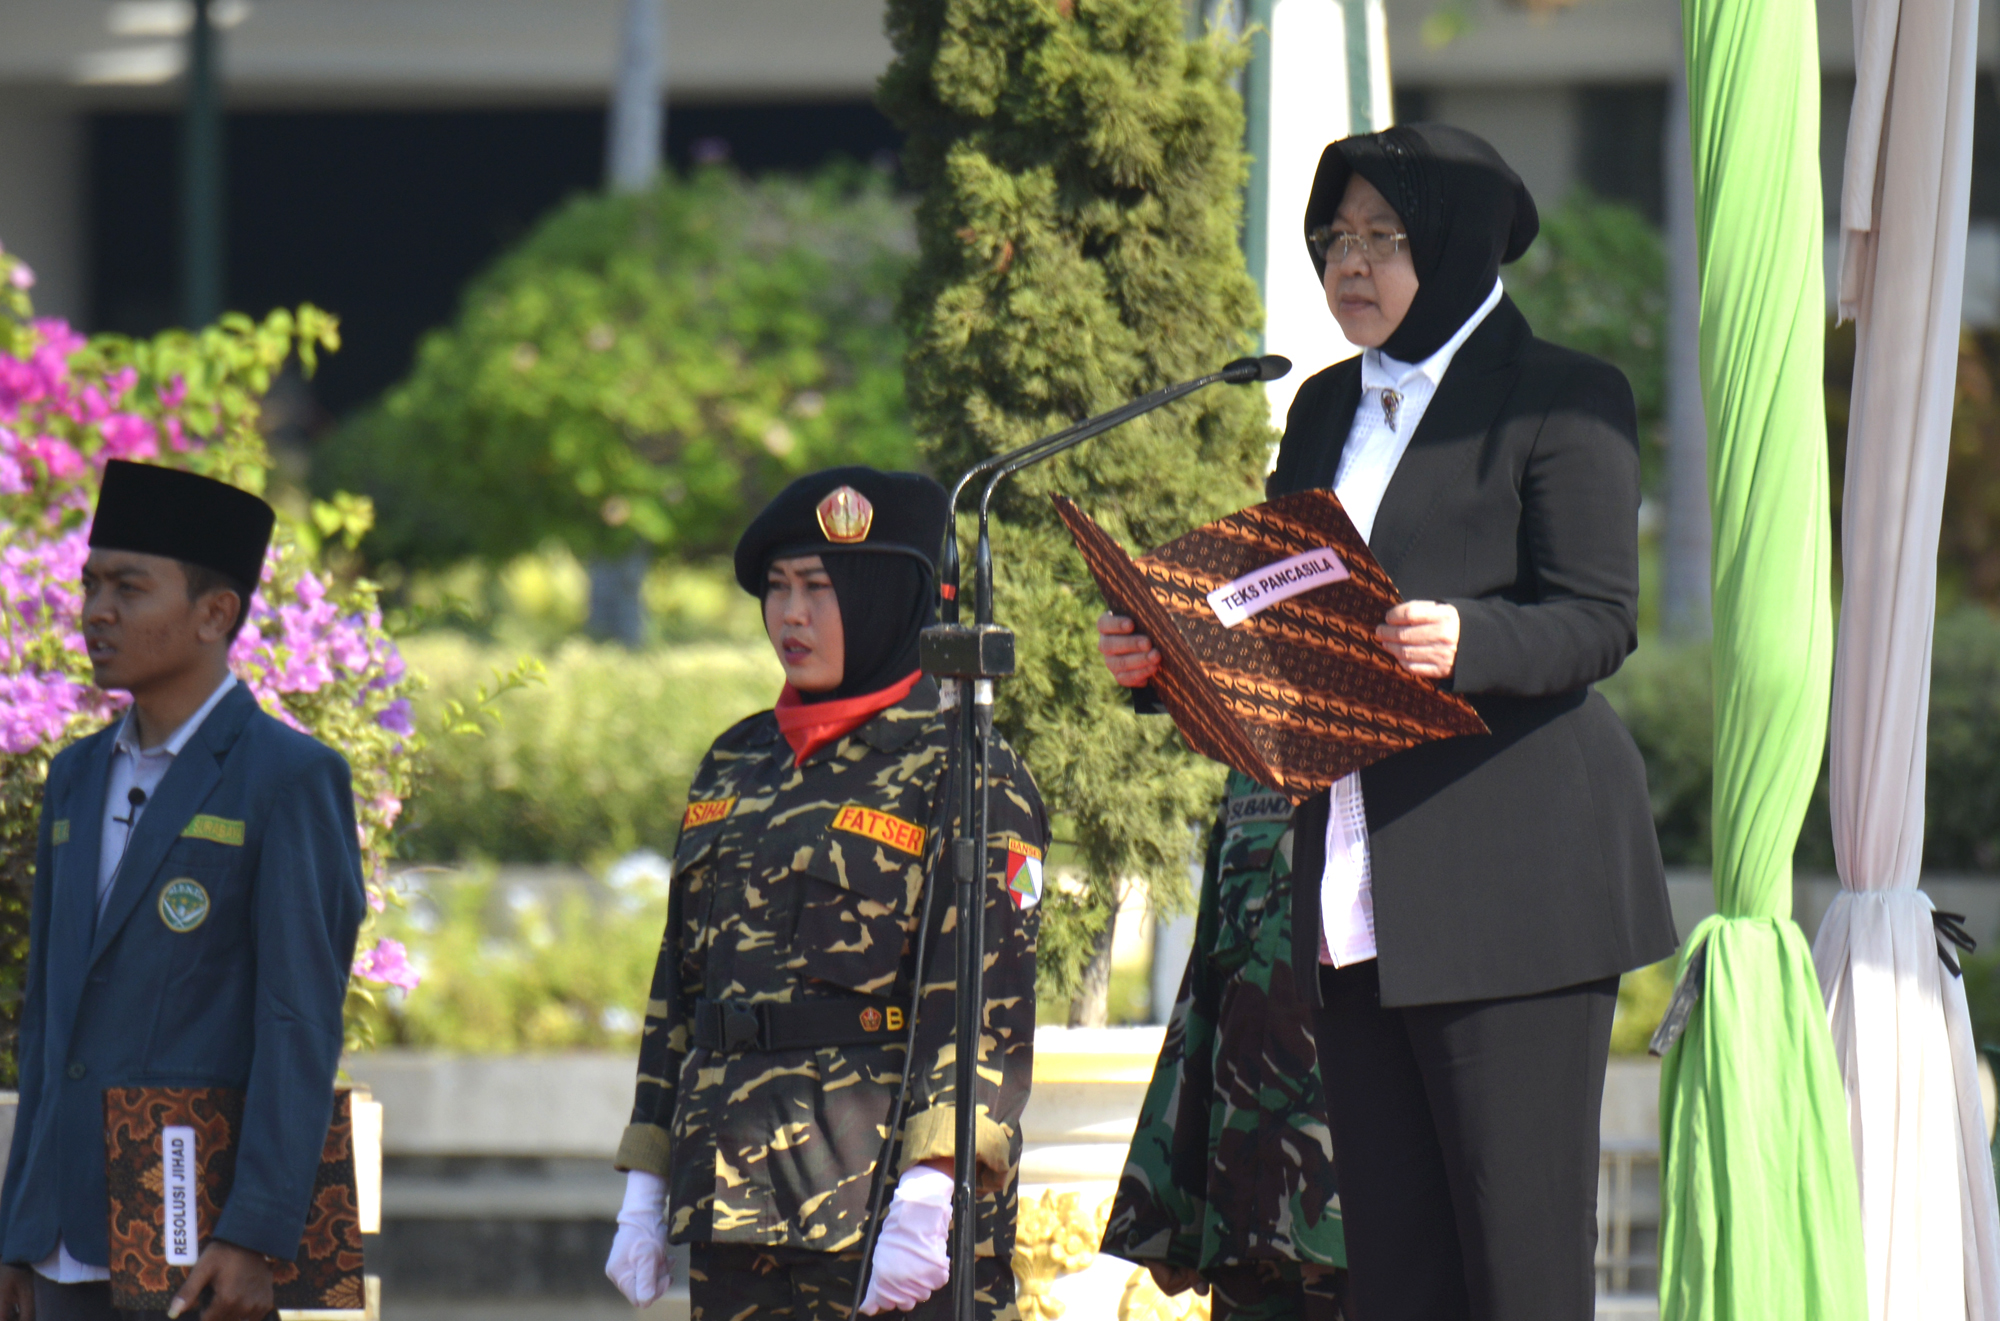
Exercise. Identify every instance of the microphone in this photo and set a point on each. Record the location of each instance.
(1267, 368)
(137, 799)
(1242, 371)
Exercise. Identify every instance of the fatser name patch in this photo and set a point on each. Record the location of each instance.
(215, 829)
(707, 812)
(881, 827)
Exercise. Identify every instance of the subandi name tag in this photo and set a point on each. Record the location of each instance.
(220, 830)
(1260, 589)
(881, 827)
(177, 1170)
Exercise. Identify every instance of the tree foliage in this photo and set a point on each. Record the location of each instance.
(645, 370)
(1596, 281)
(1081, 168)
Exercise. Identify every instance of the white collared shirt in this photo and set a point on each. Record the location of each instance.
(132, 767)
(1374, 449)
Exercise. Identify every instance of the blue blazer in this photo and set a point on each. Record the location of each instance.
(221, 959)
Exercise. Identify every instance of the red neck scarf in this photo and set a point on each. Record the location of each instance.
(810, 728)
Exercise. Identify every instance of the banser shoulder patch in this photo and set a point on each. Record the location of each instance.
(1024, 873)
(896, 833)
(61, 831)
(216, 829)
(707, 812)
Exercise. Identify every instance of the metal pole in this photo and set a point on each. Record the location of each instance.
(638, 107)
(201, 175)
(1684, 550)
(968, 856)
(1360, 67)
(1257, 143)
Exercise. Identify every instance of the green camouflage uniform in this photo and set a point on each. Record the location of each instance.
(799, 884)
(1231, 1167)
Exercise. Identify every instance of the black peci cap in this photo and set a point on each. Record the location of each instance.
(164, 511)
(844, 510)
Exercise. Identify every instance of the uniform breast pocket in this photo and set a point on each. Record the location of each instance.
(201, 888)
(856, 895)
(1249, 889)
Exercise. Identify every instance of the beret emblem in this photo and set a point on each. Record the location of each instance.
(845, 516)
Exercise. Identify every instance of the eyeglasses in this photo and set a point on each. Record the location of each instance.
(1328, 243)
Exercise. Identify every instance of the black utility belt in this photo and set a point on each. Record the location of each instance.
(733, 1026)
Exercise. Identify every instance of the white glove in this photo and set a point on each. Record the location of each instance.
(638, 1262)
(912, 1261)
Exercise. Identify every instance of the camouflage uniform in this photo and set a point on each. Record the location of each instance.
(1231, 1167)
(729, 1283)
(800, 886)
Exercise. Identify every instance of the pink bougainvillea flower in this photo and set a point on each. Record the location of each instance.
(389, 964)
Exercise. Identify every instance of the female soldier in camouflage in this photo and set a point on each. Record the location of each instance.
(775, 1032)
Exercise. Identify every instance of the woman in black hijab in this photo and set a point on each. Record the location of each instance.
(1472, 902)
(779, 1027)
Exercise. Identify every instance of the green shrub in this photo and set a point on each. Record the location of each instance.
(644, 371)
(511, 969)
(1962, 804)
(1642, 1002)
(1665, 696)
(589, 766)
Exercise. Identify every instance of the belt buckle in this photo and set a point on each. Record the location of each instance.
(741, 1028)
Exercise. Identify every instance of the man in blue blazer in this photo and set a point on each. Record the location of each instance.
(197, 896)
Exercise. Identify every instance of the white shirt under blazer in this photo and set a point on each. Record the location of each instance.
(1394, 396)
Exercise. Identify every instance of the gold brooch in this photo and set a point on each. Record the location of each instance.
(845, 516)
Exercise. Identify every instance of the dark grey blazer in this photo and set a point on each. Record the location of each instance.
(1522, 860)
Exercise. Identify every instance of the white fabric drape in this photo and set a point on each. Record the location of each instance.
(1898, 1016)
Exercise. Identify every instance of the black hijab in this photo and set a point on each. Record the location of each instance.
(885, 602)
(1466, 212)
(877, 533)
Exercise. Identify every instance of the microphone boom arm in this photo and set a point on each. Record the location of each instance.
(972, 657)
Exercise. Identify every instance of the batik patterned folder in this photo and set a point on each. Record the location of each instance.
(1265, 623)
(170, 1156)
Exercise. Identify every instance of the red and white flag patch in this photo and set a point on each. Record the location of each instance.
(1024, 873)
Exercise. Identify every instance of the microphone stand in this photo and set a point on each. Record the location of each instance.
(972, 656)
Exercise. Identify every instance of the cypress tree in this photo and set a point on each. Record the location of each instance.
(1081, 170)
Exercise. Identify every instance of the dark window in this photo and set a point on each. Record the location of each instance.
(1619, 144)
(382, 216)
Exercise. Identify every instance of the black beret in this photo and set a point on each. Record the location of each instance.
(165, 511)
(845, 510)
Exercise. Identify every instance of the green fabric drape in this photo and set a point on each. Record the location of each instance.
(1759, 1212)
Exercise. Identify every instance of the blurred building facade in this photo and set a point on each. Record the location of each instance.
(380, 151)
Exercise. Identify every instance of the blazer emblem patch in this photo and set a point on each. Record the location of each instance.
(893, 831)
(707, 812)
(61, 831)
(215, 828)
(183, 904)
